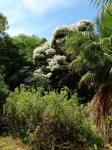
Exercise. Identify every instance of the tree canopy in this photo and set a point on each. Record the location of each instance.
(3, 24)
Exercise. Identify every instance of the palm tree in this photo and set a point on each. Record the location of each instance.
(93, 56)
(93, 50)
(93, 60)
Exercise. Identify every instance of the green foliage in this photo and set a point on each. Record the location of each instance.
(26, 44)
(108, 16)
(88, 77)
(3, 93)
(11, 62)
(102, 2)
(3, 24)
(9, 55)
(37, 81)
(16, 61)
(103, 21)
(92, 56)
(50, 120)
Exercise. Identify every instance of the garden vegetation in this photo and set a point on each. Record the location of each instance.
(57, 94)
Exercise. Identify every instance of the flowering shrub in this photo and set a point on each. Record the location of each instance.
(51, 120)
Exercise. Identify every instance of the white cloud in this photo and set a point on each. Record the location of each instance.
(16, 15)
(19, 10)
(16, 32)
(40, 6)
(13, 10)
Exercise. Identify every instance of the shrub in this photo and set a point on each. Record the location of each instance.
(50, 120)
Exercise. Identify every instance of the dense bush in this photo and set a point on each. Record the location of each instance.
(50, 120)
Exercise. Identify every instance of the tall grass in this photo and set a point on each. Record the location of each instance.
(50, 120)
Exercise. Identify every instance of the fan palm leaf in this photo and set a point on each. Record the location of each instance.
(88, 78)
(103, 21)
(98, 2)
(93, 55)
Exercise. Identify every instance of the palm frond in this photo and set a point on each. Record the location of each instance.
(78, 63)
(98, 2)
(88, 78)
(103, 21)
(98, 75)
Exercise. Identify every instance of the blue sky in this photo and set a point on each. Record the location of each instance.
(41, 17)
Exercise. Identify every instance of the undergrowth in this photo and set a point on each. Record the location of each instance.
(50, 120)
(9, 143)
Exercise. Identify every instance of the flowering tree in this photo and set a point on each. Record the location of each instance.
(52, 59)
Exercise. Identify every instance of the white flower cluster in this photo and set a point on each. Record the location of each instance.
(59, 30)
(59, 58)
(50, 51)
(47, 45)
(39, 52)
(57, 62)
(38, 55)
(82, 25)
(85, 25)
(48, 75)
(39, 72)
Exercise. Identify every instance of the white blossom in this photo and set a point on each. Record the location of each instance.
(56, 62)
(39, 55)
(61, 29)
(40, 52)
(38, 71)
(49, 59)
(82, 25)
(47, 45)
(59, 58)
(50, 51)
(48, 75)
(85, 24)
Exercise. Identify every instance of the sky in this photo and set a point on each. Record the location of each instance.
(41, 17)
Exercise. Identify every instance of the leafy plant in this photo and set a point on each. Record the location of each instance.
(50, 120)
